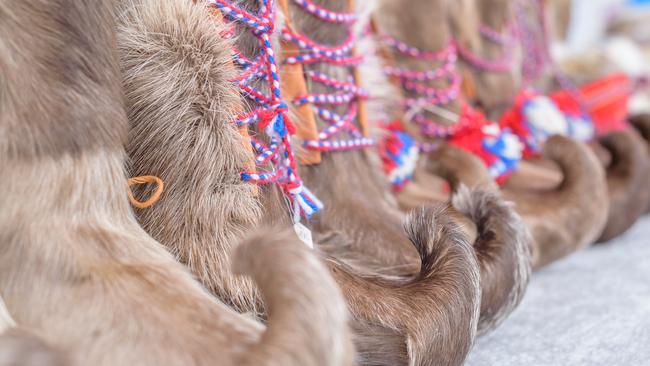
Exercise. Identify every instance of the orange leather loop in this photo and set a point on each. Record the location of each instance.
(155, 196)
(293, 85)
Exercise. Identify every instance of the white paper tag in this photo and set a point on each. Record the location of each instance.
(304, 234)
(6, 321)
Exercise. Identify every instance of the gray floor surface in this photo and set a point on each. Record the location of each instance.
(592, 308)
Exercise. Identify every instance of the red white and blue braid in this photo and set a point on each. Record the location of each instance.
(344, 92)
(272, 112)
(399, 154)
(325, 14)
(500, 150)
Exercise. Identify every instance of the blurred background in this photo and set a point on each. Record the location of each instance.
(592, 308)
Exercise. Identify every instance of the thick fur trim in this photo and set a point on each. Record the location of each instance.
(181, 106)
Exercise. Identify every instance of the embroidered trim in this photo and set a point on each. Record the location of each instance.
(535, 117)
(399, 155)
(272, 114)
(500, 149)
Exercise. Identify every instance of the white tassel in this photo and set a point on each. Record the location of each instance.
(301, 197)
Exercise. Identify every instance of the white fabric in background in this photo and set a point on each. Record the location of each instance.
(589, 20)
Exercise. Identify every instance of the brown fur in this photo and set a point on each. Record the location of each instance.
(431, 20)
(623, 177)
(77, 268)
(501, 248)
(176, 73)
(567, 218)
(544, 220)
(624, 188)
(431, 337)
(503, 244)
(620, 153)
(19, 347)
(445, 162)
(502, 241)
(437, 173)
(495, 90)
(642, 123)
(626, 180)
(559, 18)
(352, 207)
(503, 251)
(406, 326)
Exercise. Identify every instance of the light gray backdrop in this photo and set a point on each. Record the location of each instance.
(592, 309)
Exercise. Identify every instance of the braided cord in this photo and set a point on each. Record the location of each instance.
(500, 150)
(507, 38)
(502, 64)
(417, 83)
(271, 115)
(342, 92)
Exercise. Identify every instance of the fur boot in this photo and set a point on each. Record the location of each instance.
(77, 268)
